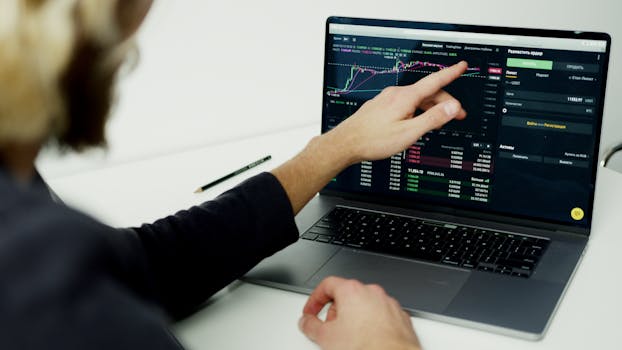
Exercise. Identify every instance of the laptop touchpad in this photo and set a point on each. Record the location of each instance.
(418, 286)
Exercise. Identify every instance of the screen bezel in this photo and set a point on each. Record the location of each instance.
(458, 210)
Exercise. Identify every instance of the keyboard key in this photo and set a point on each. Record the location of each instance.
(325, 224)
(530, 259)
(337, 242)
(309, 236)
(469, 263)
(323, 238)
(489, 259)
(322, 231)
(503, 271)
(528, 239)
(375, 243)
(451, 261)
(486, 267)
(516, 264)
(520, 274)
(533, 252)
(354, 245)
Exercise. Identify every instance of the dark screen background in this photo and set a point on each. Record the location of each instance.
(526, 148)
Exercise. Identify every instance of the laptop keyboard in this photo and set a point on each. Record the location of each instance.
(449, 244)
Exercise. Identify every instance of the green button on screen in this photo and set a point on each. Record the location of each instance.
(527, 63)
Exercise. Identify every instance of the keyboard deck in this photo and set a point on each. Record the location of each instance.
(444, 243)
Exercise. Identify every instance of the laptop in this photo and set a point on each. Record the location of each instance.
(481, 223)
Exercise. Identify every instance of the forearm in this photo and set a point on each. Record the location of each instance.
(308, 172)
(194, 253)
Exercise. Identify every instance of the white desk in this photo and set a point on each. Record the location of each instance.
(246, 316)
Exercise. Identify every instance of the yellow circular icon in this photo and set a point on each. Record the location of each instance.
(577, 214)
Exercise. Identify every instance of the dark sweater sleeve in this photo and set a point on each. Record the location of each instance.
(193, 254)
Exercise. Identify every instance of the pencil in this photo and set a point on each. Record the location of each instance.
(237, 172)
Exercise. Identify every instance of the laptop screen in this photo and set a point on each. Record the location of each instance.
(529, 145)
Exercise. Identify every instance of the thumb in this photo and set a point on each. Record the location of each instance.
(310, 325)
(435, 117)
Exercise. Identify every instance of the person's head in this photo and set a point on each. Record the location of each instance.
(58, 64)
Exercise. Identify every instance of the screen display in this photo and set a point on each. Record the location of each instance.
(527, 147)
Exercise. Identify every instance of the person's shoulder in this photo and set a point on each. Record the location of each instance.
(61, 284)
(32, 215)
(38, 235)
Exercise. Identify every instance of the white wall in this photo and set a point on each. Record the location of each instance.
(217, 70)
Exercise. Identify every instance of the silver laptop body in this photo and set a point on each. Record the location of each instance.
(519, 171)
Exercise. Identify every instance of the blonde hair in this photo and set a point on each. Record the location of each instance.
(58, 63)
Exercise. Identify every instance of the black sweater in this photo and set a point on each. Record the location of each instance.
(68, 281)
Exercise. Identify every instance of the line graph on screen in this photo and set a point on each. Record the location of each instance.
(372, 79)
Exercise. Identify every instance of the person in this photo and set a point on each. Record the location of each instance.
(70, 282)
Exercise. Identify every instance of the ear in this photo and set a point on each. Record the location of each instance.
(130, 15)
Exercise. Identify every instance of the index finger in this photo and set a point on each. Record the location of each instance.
(322, 295)
(431, 84)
